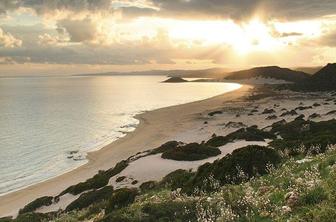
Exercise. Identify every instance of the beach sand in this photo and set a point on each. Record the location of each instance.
(155, 128)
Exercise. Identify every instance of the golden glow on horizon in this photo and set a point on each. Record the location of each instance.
(244, 38)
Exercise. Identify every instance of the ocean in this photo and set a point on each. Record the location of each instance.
(48, 124)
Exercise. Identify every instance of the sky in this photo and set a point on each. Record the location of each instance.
(92, 36)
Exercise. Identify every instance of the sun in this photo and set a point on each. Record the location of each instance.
(254, 36)
(242, 38)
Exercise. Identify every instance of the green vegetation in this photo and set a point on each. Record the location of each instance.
(30, 217)
(248, 134)
(297, 190)
(165, 147)
(149, 185)
(242, 164)
(32, 206)
(121, 198)
(163, 212)
(177, 179)
(293, 179)
(191, 152)
(97, 181)
(302, 136)
(91, 197)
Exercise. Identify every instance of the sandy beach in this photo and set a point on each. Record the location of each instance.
(155, 128)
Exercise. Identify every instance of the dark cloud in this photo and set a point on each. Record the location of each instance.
(46, 6)
(78, 30)
(239, 9)
(6, 5)
(236, 9)
(289, 34)
(329, 39)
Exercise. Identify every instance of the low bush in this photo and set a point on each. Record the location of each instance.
(86, 199)
(176, 179)
(165, 147)
(241, 165)
(31, 217)
(215, 113)
(314, 196)
(97, 181)
(170, 211)
(191, 152)
(121, 198)
(248, 134)
(313, 137)
(39, 202)
(149, 185)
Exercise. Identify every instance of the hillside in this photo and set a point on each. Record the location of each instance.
(308, 70)
(273, 72)
(284, 183)
(326, 76)
(324, 79)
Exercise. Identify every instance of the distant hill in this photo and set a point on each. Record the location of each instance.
(324, 79)
(309, 70)
(327, 75)
(204, 73)
(175, 80)
(273, 72)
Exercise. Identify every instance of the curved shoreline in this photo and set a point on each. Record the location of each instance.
(154, 128)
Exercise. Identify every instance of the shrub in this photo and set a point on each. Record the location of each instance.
(176, 179)
(119, 179)
(6, 219)
(191, 152)
(86, 199)
(215, 113)
(268, 111)
(39, 202)
(116, 217)
(242, 164)
(31, 217)
(99, 180)
(121, 198)
(314, 196)
(169, 211)
(148, 185)
(306, 134)
(248, 134)
(165, 147)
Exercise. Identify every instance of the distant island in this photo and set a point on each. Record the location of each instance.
(175, 80)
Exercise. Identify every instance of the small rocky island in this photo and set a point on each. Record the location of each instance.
(175, 80)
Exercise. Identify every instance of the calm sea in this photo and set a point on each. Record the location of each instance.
(48, 124)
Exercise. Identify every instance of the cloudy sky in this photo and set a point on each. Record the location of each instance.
(76, 36)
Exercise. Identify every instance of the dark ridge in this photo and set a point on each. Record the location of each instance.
(274, 72)
(323, 80)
